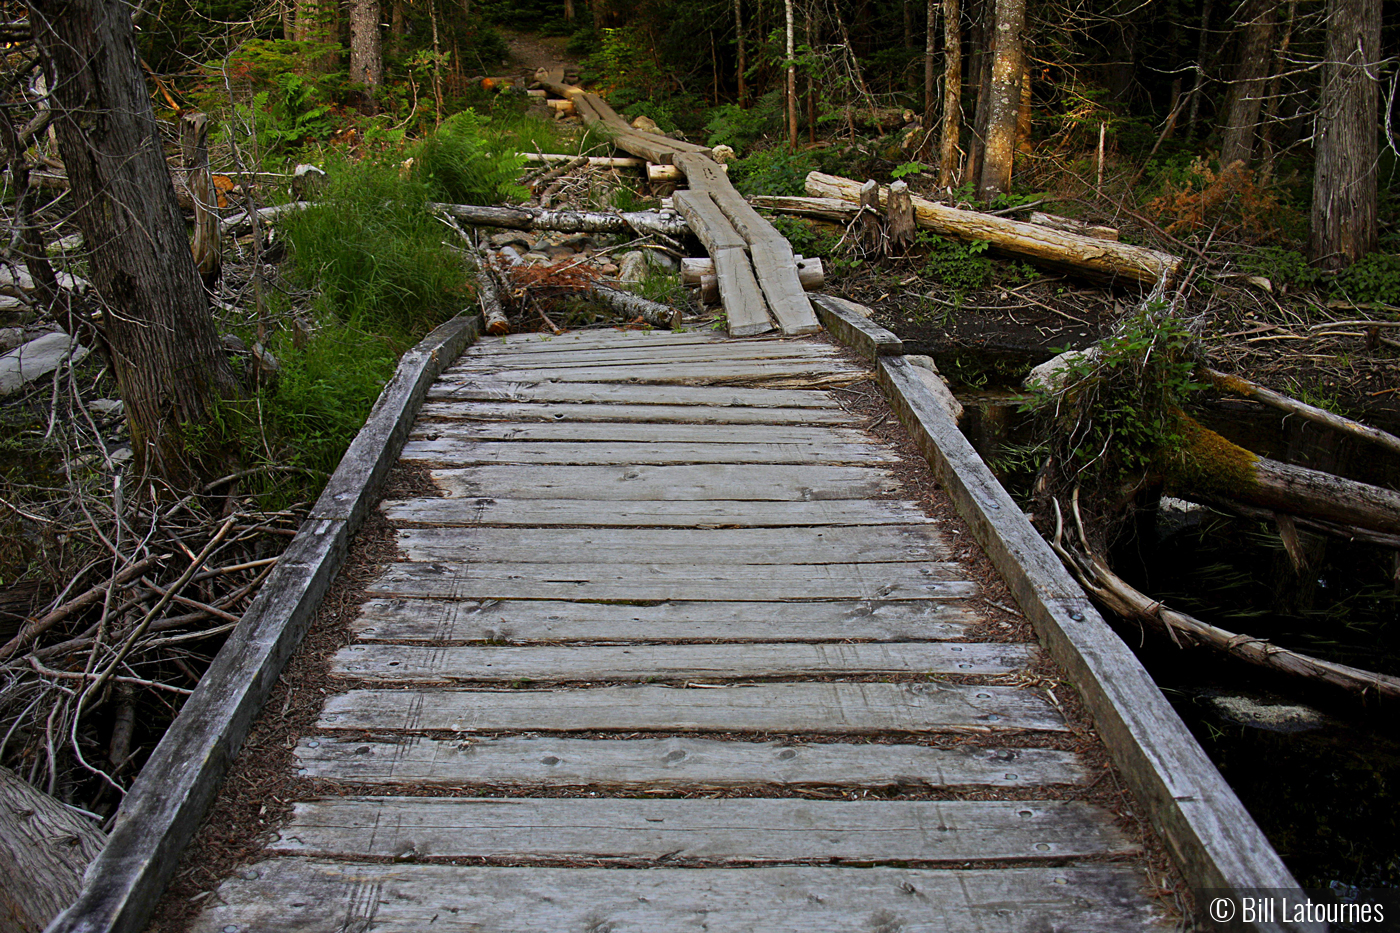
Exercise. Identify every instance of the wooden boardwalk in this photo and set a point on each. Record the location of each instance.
(675, 651)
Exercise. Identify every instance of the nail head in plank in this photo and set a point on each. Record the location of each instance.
(678, 761)
(296, 895)
(733, 829)
(518, 622)
(819, 708)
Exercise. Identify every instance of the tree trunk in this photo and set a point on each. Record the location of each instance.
(930, 76)
(743, 63)
(1008, 64)
(164, 349)
(984, 48)
(194, 153)
(1199, 79)
(1345, 186)
(791, 78)
(948, 174)
(44, 848)
(366, 48)
(1246, 96)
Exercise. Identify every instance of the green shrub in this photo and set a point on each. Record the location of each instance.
(773, 171)
(463, 164)
(733, 126)
(1373, 277)
(1280, 266)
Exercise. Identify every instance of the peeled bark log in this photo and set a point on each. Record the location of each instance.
(822, 208)
(1093, 258)
(1067, 225)
(595, 161)
(532, 218)
(654, 313)
(44, 849)
(809, 271)
(1209, 465)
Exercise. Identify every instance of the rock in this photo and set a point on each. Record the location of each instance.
(608, 268)
(308, 181)
(121, 455)
(1048, 376)
(69, 244)
(11, 337)
(578, 243)
(535, 256)
(663, 262)
(1177, 515)
(929, 375)
(233, 343)
(557, 253)
(724, 154)
(645, 124)
(508, 238)
(1260, 714)
(36, 359)
(107, 406)
(633, 267)
(263, 366)
(17, 278)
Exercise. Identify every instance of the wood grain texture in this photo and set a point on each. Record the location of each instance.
(44, 848)
(822, 708)
(746, 829)
(523, 621)
(678, 761)
(715, 663)
(766, 349)
(855, 330)
(449, 451)
(587, 432)
(635, 581)
(710, 226)
(295, 895)
(693, 414)
(711, 513)
(745, 310)
(708, 372)
(471, 387)
(693, 482)
(853, 544)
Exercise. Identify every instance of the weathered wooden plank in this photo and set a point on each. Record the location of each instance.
(296, 895)
(825, 708)
(710, 226)
(678, 761)
(519, 622)
(747, 829)
(165, 804)
(854, 544)
(1214, 840)
(776, 269)
(449, 451)
(589, 339)
(776, 482)
(714, 372)
(691, 414)
(703, 514)
(745, 310)
(754, 435)
(855, 330)
(586, 663)
(621, 393)
(498, 580)
(765, 349)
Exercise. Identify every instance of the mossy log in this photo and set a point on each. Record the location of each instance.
(1209, 466)
(1087, 256)
(1243, 387)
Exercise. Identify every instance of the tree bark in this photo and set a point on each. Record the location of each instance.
(366, 46)
(164, 349)
(791, 78)
(930, 75)
(654, 313)
(194, 152)
(1198, 80)
(743, 63)
(44, 848)
(1008, 64)
(1246, 96)
(899, 217)
(1345, 186)
(949, 175)
(525, 217)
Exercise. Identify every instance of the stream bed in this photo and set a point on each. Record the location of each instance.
(1318, 772)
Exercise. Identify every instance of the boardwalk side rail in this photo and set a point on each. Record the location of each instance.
(165, 804)
(1213, 839)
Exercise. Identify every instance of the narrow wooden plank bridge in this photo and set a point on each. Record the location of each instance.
(677, 649)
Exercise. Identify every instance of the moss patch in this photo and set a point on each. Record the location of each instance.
(1207, 462)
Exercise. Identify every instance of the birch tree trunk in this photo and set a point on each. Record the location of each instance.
(1344, 189)
(164, 349)
(791, 78)
(1004, 103)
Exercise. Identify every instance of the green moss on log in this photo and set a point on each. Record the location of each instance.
(1208, 463)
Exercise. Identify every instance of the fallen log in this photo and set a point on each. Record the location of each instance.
(1068, 225)
(1251, 390)
(242, 223)
(654, 313)
(1209, 465)
(44, 849)
(810, 271)
(1095, 258)
(642, 223)
(1116, 594)
(835, 209)
(594, 161)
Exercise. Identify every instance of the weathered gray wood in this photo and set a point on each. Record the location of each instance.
(825, 708)
(525, 217)
(673, 581)
(1213, 839)
(580, 663)
(691, 414)
(776, 270)
(678, 761)
(745, 311)
(593, 338)
(855, 330)
(710, 226)
(853, 544)
(760, 349)
(520, 622)
(295, 895)
(621, 393)
(777, 482)
(752, 435)
(714, 372)
(635, 307)
(712, 513)
(163, 807)
(449, 451)
(44, 848)
(739, 829)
